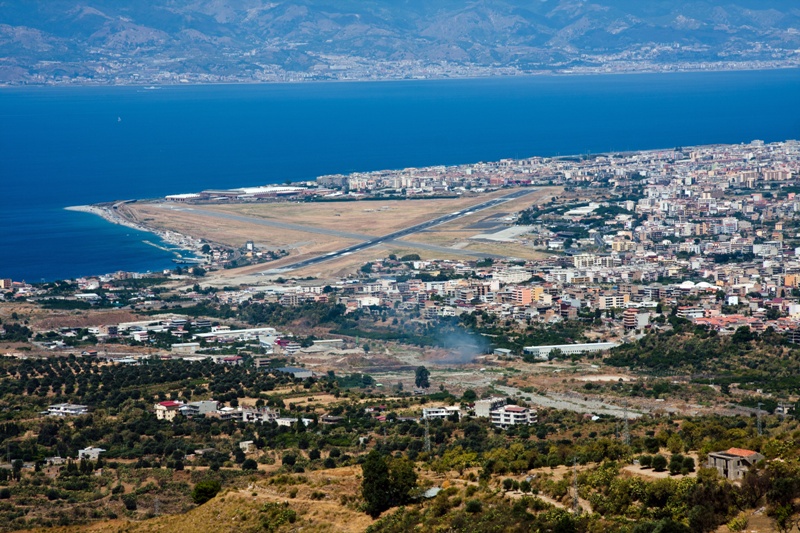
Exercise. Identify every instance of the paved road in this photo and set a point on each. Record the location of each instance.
(578, 405)
(405, 232)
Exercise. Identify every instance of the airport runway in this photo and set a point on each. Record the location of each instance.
(374, 241)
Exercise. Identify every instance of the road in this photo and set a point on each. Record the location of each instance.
(374, 241)
(578, 405)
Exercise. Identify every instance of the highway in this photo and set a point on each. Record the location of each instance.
(374, 241)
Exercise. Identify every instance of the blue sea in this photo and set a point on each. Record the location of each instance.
(62, 146)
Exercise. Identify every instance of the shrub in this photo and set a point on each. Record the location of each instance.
(739, 523)
(646, 461)
(675, 464)
(249, 464)
(659, 463)
(205, 490)
(130, 502)
(274, 515)
(474, 506)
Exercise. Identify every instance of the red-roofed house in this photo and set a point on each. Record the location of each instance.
(734, 462)
(168, 410)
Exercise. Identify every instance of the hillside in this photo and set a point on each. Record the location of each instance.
(105, 41)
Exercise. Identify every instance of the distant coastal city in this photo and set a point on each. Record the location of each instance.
(134, 72)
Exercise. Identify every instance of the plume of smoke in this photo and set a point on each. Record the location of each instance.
(462, 347)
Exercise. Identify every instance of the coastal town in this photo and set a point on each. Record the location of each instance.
(637, 291)
(707, 233)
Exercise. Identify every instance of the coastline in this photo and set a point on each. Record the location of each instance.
(554, 73)
(182, 243)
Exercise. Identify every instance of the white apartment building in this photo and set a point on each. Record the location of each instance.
(513, 415)
(430, 413)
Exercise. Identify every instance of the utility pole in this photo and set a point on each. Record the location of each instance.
(427, 436)
(576, 504)
(627, 427)
(758, 418)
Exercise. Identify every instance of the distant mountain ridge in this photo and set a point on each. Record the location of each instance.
(147, 41)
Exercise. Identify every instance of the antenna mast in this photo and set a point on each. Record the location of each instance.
(427, 436)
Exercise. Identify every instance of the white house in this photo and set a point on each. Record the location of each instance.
(67, 409)
(90, 454)
(429, 413)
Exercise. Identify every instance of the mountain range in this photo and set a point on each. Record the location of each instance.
(148, 41)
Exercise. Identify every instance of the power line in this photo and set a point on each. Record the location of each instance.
(758, 418)
(427, 436)
(627, 433)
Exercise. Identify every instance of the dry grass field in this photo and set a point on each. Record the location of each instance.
(372, 218)
(232, 233)
(314, 496)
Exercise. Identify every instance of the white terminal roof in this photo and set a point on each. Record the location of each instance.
(266, 190)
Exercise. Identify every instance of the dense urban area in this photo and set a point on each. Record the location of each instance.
(623, 359)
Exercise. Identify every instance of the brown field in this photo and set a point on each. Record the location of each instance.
(232, 232)
(358, 217)
(368, 217)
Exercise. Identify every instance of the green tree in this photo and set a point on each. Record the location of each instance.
(402, 480)
(249, 464)
(421, 378)
(675, 464)
(374, 484)
(205, 490)
(659, 463)
(129, 500)
(386, 482)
